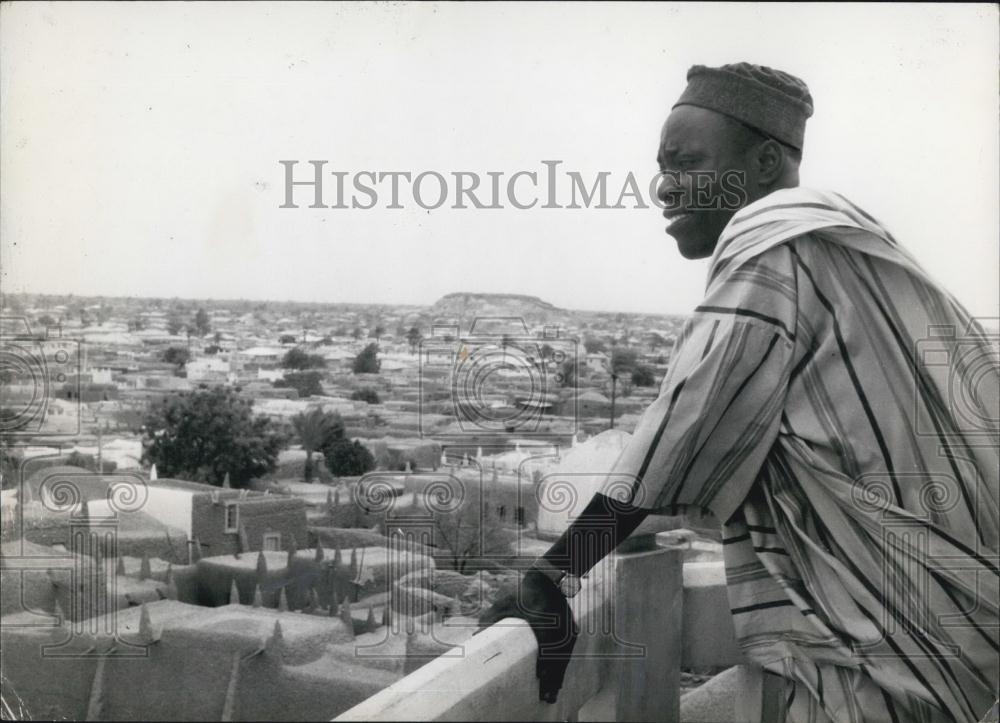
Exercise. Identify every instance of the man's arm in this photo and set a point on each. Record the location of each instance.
(602, 525)
(700, 444)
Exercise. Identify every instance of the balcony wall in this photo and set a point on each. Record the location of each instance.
(643, 614)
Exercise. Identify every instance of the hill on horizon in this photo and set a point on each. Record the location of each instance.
(465, 307)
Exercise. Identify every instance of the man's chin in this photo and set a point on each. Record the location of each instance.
(692, 246)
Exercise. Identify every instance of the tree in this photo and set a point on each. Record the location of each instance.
(286, 339)
(566, 376)
(414, 337)
(366, 394)
(467, 530)
(593, 345)
(174, 326)
(655, 341)
(202, 435)
(10, 467)
(305, 383)
(345, 458)
(136, 323)
(642, 376)
(46, 320)
(623, 360)
(356, 332)
(367, 361)
(316, 429)
(376, 333)
(176, 355)
(201, 326)
(298, 359)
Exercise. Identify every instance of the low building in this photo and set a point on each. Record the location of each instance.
(262, 355)
(597, 361)
(213, 516)
(209, 368)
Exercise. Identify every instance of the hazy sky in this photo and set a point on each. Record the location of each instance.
(140, 142)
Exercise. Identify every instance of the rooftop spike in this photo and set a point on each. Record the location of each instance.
(275, 645)
(172, 593)
(146, 633)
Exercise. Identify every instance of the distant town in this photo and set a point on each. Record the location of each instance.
(236, 499)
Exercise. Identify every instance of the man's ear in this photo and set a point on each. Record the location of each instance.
(770, 162)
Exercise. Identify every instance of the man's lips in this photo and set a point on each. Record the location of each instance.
(674, 215)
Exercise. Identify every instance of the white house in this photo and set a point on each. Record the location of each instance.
(209, 367)
(597, 361)
(263, 354)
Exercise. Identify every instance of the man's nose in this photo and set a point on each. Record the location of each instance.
(670, 190)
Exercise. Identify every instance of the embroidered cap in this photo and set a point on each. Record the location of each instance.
(769, 100)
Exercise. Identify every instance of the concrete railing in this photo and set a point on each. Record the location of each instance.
(642, 613)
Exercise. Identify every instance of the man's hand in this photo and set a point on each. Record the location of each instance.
(538, 600)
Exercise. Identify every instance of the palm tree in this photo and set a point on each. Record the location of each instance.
(315, 429)
(414, 337)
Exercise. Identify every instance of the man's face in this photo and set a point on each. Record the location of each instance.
(705, 177)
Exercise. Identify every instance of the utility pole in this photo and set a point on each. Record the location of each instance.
(614, 388)
(610, 365)
(100, 465)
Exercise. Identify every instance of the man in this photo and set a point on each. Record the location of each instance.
(835, 408)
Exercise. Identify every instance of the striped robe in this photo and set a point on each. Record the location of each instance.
(841, 412)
